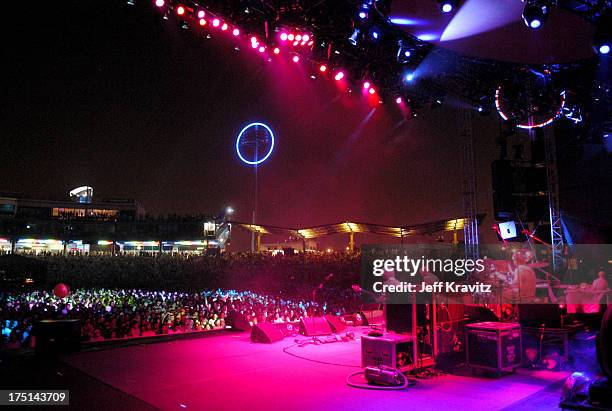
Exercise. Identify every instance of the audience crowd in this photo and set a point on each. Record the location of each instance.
(134, 296)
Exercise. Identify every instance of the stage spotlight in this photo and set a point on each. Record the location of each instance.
(130, 2)
(398, 100)
(276, 50)
(254, 44)
(366, 85)
(283, 36)
(224, 27)
(322, 68)
(202, 22)
(236, 32)
(180, 10)
(354, 37)
(446, 6)
(262, 49)
(371, 90)
(290, 37)
(604, 49)
(160, 3)
(305, 37)
(535, 13)
(298, 38)
(296, 59)
(363, 15)
(375, 35)
(409, 77)
(201, 14)
(339, 76)
(216, 22)
(253, 39)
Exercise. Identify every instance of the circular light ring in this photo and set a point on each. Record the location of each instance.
(528, 126)
(240, 136)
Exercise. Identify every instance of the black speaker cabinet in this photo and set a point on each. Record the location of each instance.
(57, 336)
(494, 346)
(315, 326)
(337, 324)
(266, 333)
(237, 321)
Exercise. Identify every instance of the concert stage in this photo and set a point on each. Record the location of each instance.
(226, 371)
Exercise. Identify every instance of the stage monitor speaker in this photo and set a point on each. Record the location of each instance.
(266, 333)
(57, 336)
(315, 326)
(373, 317)
(237, 321)
(336, 323)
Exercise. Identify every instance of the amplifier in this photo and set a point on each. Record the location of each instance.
(390, 350)
(493, 346)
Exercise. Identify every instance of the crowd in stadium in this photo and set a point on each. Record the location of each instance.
(133, 296)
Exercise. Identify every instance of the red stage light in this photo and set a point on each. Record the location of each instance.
(295, 43)
(160, 3)
(253, 39)
(305, 37)
(339, 76)
(216, 22)
(180, 10)
(310, 43)
(202, 22)
(254, 44)
(236, 32)
(322, 68)
(283, 36)
(201, 14)
(372, 91)
(296, 59)
(262, 49)
(290, 37)
(298, 37)
(366, 85)
(224, 26)
(276, 50)
(398, 100)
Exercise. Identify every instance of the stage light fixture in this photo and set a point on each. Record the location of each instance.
(216, 22)
(262, 49)
(253, 39)
(224, 27)
(409, 77)
(604, 49)
(290, 37)
(283, 36)
(160, 3)
(202, 22)
(298, 37)
(339, 76)
(354, 37)
(180, 10)
(363, 15)
(371, 90)
(398, 100)
(535, 13)
(305, 37)
(201, 14)
(295, 59)
(375, 35)
(366, 85)
(236, 32)
(446, 6)
(254, 44)
(276, 50)
(322, 68)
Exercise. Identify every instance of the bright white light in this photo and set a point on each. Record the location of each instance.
(535, 24)
(604, 49)
(447, 7)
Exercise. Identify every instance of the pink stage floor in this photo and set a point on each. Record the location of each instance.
(228, 372)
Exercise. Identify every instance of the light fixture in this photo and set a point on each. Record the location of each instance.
(535, 13)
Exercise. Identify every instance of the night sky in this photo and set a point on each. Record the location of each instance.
(110, 96)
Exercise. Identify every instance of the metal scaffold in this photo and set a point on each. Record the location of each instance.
(470, 227)
(556, 233)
